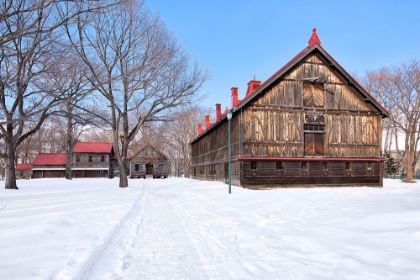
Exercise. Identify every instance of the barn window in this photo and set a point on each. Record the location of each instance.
(324, 166)
(102, 158)
(304, 166)
(160, 167)
(77, 158)
(136, 167)
(279, 165)
(253, 165)
(90, 158)
(313, 95)
(347, 165)
(369, 166)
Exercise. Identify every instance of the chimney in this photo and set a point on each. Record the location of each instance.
(207, 121)
(200, 130)
(218, 111)
(252, 86)
(234, 96)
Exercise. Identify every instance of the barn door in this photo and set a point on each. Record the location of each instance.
(149, 169)
(314, 143)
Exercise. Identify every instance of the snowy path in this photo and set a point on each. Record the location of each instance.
(163, 247)
(187, 229)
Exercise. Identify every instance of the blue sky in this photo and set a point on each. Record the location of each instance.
(237, 39)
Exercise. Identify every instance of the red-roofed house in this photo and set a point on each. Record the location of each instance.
(92, 159)
(49, 166)
(149, 162)
(311, 123)
(23, 171)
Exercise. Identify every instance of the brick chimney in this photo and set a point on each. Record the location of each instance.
(235, 100)
(252, 86)
(218, 111)
(207, 121)
(200, 129)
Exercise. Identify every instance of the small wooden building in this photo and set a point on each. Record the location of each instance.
(149, 162)
(23, 171)
(311, 123)
(49, 166)
(92, 160)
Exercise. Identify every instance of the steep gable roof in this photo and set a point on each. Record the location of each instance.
(314, 46)
(93, 147)
(49, 159)
(144, 147)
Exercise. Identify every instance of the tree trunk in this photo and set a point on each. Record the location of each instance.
(123, 172)
(10, 182)
(410, 167)
(69, 145)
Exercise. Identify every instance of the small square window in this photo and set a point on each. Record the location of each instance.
(324, 166)
(369, 166)
(304, 166)
(136, 167)
(253, 165)
(347, 165)
(161, 167)
(102, 158)
(77, 158)
(279, 165)
(90, 158)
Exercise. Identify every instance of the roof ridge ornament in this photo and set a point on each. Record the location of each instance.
(314, 38)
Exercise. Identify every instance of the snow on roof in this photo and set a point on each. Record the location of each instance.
(92, 147)
(49, 159)
(24, 166)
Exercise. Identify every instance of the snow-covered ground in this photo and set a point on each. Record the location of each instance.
(188, 229)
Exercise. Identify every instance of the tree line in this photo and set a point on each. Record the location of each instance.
(110, 64)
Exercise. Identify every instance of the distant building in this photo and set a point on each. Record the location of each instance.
(93, 160)
(311, 123)
(23, 171)
(149, 162)
(49, 166)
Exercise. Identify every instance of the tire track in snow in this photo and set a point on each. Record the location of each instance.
(117, 242)
(164, 247)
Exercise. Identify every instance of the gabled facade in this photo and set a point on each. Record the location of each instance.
(49, 166)
(310, 123)
(149, 162)
(92, 159)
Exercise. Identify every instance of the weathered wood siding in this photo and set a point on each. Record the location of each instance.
(274, 124)
(209, 154)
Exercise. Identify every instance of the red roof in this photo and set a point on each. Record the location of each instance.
(24, 166)
(49, 159)
(93, 147)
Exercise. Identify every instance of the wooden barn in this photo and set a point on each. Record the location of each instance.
(311, 123)
(92, 160)
(148, 162)
(49, 166)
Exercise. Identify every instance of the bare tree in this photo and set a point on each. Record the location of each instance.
(398, 89)
(138, 68)
(69, 79)
(181, 132)
(30, 46)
